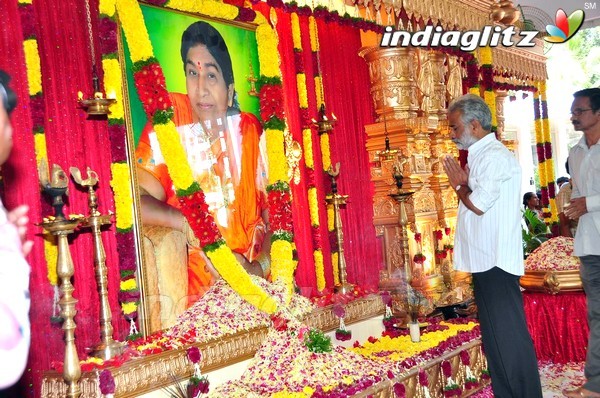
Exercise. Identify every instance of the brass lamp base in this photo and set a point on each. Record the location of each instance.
(97, 106)
(344, 288)
(108, 350)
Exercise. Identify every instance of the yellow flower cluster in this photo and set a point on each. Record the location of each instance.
(302, 92)
(296, 39)
(283, 265)
(51, 254)
(107, 7)
(539, 137)
(94, 360)
(25, 2)
(288, 394)
(336, 269)
(129, 284)
(319, 269)
(121, 187)
(474, 90)
(313, 206)
(401, 347)
(132, 21)
(314, 34)
(319, 91)
(34, 71)
(39, 142)
(325, 151)
(113, 86)
(278, 170)
(268, 55)
(129, 308)
(235, 275)
(490, 100)
(330, 218)
(175, 157)
(485, 55)
(308, 152)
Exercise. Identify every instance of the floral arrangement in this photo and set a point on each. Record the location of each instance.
(38, 114)
(555, 254)
(341, 333)
(106, 383)
(451, 388)
(198, 383)
(487, 81)
(544, 154)
(285, 366)
(221, 312)
(419, 257)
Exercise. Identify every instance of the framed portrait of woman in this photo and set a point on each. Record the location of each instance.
(209, 68)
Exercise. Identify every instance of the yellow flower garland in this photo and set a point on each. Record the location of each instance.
(278, 169)
(32, 62)
(132, 21)
(302, 93)
(268, 54)
(307, 145)
(175, 157)
(336, 270)
(313, 31)
(401, 347)
(283, 265)
(325, 151)
(313, 206)
(107, 7)
(121, 186)
(113, 85)
(319, 269)
(296, 39)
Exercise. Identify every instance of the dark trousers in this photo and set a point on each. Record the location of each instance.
(590, 277)
(506, 340)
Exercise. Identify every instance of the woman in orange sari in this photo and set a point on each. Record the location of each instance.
(223, 148)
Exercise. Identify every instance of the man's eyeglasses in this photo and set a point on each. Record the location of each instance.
(578, 112)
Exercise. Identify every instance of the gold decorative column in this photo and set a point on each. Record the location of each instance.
(337, 200)
(61, 227)
(392, 72)
(107, 348)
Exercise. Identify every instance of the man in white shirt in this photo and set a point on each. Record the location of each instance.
(584, 164)
(488, 245)
(14, 270)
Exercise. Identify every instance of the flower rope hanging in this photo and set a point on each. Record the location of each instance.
(308, 145)
(129, 293)
(487, 81)
(149, 77)
(38, 115)
(325, 144)
(549, 194)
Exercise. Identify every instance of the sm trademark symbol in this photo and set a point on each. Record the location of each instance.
(589, 6)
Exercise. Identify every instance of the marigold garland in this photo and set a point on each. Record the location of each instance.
(32, 62)
(34, 81)
(121, 186)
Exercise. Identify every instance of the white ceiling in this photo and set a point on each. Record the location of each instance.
(590, 7)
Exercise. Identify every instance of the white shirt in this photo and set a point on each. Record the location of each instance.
(494, 238)
(14, 295)
(584, 164)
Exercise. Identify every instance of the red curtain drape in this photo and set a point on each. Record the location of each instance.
(346, 88)
(72, 140)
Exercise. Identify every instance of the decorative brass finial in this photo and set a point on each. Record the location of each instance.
(56, 186)
(252, 79)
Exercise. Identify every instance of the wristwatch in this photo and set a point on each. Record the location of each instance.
(458, 187)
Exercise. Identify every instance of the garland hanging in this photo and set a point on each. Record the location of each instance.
(38, 112)
(546, 162)
(129, 293)
(190, 195)
(487, 81)
(307, 140)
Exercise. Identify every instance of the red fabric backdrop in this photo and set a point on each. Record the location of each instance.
(72, 140)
